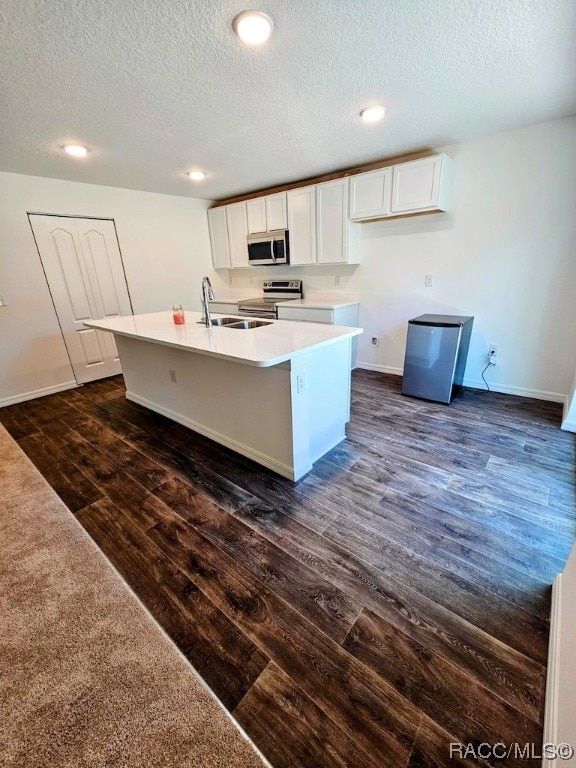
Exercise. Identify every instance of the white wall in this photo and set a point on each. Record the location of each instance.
(506, 254)
(165, 248)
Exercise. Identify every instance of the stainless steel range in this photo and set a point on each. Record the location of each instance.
(275, 291)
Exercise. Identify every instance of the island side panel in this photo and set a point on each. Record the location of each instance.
(321, 399)
(246, 408)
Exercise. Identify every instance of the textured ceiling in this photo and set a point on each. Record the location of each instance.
(156, 87)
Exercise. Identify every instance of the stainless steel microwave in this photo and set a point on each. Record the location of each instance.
(268, 248)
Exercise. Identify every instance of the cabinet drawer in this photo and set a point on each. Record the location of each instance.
(306, 314)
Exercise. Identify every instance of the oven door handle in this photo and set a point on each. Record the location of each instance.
(272, 254)
(255, 313)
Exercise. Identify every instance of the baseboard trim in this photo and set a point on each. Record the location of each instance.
(380, 368)
(505, 389)
(5, 401)
(245, 450)
(553, 672)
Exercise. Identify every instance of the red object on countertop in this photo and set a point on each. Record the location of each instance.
(178, 314)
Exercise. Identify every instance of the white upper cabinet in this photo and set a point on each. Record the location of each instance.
(323, 219)
(265, 214)
(256, 211)
(421, 185)
(276, 214)
(237, 232)
(370, 194)
(302, 225)
(335, 245)
(218, 226)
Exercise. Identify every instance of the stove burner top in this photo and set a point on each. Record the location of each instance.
(275, 292)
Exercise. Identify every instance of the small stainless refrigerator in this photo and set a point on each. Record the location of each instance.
(436, 352)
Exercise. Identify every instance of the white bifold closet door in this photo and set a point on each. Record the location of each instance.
(85, 274)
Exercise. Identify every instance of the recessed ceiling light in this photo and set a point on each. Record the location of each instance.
(253, 27)
(197, 175)
(76, 150)
(373, 114)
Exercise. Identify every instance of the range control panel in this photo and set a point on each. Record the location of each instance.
(282, 289)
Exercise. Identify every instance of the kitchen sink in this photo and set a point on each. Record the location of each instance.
(245, 324)
(222, 321)
(233, 322)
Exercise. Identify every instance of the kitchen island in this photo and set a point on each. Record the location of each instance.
(278, 393)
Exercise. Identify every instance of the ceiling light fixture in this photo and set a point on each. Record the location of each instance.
(197, 175)
(373, 114)
(253, 27)
(76, 150)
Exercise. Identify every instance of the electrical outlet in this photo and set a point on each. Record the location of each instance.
(375, 341)
(337, 280)
(300, 383)
(492, 354)
(428, 281)
(3, 301)
(173, 378)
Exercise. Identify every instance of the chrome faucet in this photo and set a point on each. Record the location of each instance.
(207, 294)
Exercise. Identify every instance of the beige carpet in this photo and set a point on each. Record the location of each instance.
(87, 678)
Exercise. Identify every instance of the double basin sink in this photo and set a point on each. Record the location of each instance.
(233, 322)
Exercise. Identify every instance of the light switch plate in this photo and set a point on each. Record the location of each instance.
(429, 281)
(3, 302)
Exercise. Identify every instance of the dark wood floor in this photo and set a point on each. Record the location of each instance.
(393, 601)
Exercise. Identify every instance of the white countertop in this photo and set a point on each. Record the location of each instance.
(230, 299)
(314, 301)
(235, 298)
(323, 301)
(268, 345)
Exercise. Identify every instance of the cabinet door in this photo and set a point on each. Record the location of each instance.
(416, 185)
(237, 231)
(256, 211)
(218, 227)
(302, 225)
(276, 217)
(331, 221)
(370, 194)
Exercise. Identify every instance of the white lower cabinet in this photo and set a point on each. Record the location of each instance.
(301, 204)
(330, 315)
(347, 315)
(237, 232)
